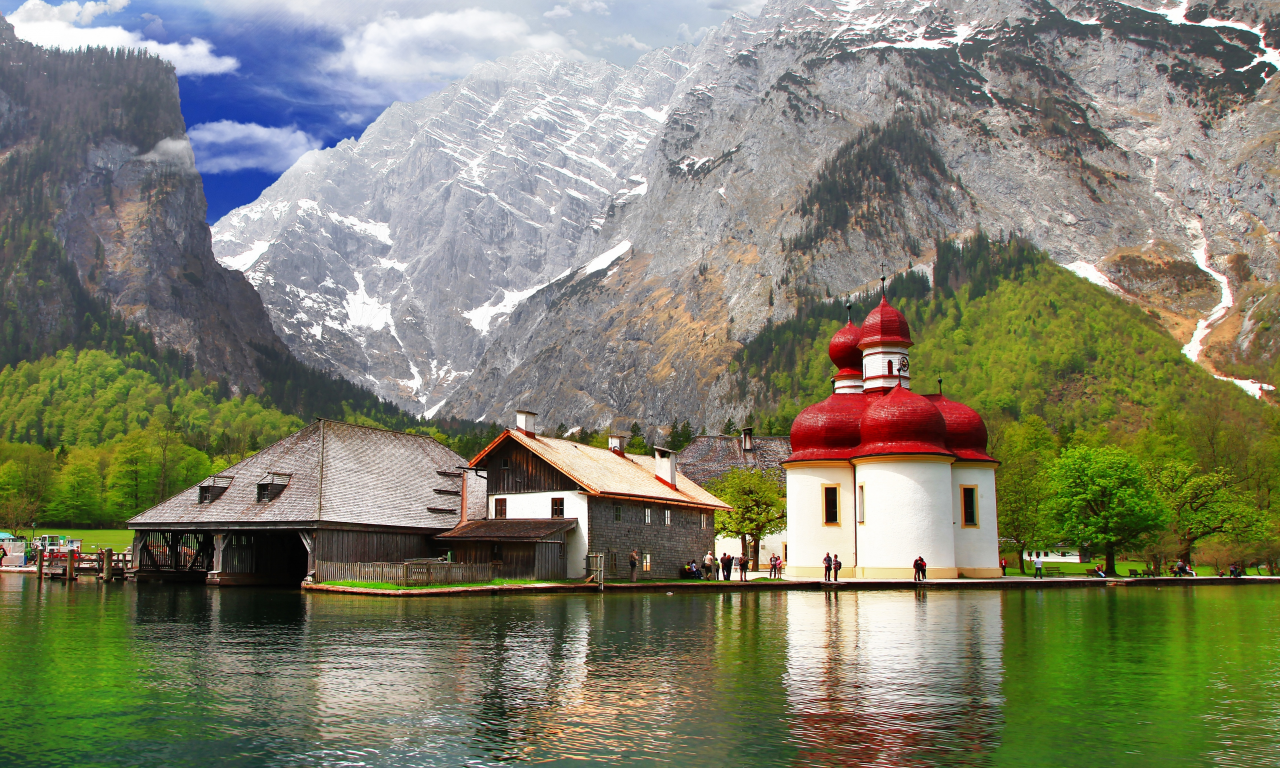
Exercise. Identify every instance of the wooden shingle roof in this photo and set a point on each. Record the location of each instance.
(336, 473)
(601, 472)
(509, 530)
(710, 456)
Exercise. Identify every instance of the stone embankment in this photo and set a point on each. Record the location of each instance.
(760, 585)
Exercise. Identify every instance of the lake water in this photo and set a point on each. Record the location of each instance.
(165, 675)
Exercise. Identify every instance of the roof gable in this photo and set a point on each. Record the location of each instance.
(601, 472)
(369, 476)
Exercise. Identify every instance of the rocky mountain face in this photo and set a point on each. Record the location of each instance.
(795, 154)
(102, 207)
(393, 259)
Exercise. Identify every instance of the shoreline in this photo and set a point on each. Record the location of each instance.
(853, 585)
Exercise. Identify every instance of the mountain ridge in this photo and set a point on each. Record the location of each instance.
(1122, 137)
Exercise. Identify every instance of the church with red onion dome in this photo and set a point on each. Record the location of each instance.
(880, 475)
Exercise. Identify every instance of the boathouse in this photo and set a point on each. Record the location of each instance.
(331, 492)
(551, 502)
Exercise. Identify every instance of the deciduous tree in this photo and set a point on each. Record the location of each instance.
(1201, 504)
(1102, 499)
(759, 508)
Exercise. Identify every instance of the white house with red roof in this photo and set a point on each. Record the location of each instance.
(880, 475)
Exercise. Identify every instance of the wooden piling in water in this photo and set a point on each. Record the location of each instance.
(39, 563)
(105, 557)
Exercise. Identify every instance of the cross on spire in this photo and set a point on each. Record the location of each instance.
(883, 269)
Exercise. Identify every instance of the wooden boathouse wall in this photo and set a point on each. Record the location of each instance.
(543, 560)
(341, 546)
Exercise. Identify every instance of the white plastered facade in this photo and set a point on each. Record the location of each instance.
(809, 537)
(977, 547)
(892, 509)
(537, 506)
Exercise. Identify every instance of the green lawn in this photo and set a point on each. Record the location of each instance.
(1078, 569)
(494, 583)
(93, 539)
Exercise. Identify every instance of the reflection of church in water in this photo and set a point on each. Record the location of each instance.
(880, 475)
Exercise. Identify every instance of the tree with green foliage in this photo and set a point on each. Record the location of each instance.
(729, 428)
(77, 497)
(26, 476)
(759, 508)
(1025, 449)
(1102, 499)
(680, 435)
(1204, 504)
(637, 444)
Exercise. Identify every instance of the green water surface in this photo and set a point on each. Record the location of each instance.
(166, 675)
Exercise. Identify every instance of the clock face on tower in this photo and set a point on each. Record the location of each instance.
(904, 364)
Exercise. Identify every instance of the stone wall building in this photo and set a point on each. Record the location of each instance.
(611, 503)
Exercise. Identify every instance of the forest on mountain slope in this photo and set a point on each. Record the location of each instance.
(1069, 378)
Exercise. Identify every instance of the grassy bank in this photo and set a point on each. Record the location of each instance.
(494, 583)
(94, 539)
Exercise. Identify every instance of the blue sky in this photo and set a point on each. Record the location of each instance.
(263, 81)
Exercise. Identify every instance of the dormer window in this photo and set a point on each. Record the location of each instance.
(271, 486)
(213, 488)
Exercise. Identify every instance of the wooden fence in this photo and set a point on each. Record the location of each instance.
(404, 574)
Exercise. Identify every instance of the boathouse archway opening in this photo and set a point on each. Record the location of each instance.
(224, 557)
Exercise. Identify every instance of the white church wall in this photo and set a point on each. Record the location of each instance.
(977, 549)
(808, 538)
(769, 545)
(908, 514)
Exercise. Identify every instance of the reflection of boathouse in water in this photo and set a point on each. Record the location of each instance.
(332, 491)
(885, 678)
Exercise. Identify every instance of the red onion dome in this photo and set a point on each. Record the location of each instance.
(885, 325)
(828, 431)
(844, 351)
(902, 422)
(966, 432)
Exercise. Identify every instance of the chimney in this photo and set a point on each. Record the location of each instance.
(617, 441)
(747, 445)
(525, 422)
(664, 466)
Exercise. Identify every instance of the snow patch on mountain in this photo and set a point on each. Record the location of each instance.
(605, 259)
(482, 317)
(242, 262)
(365, 311)
(1094, 275)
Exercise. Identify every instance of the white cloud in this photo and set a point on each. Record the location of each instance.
(628, 41)
(558, 12)
(590, 6)
(62, 26)
(172, 152)
(685, 35)
(226, 146)
(438, 45)
(752, 7)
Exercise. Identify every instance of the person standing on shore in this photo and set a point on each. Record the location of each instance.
(1003, 564)
(1039, 564)
(826, 567)
(709, 566)
(635, 563)
(918, 567)
(743, 563)
(726, 566)
(835, 567)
